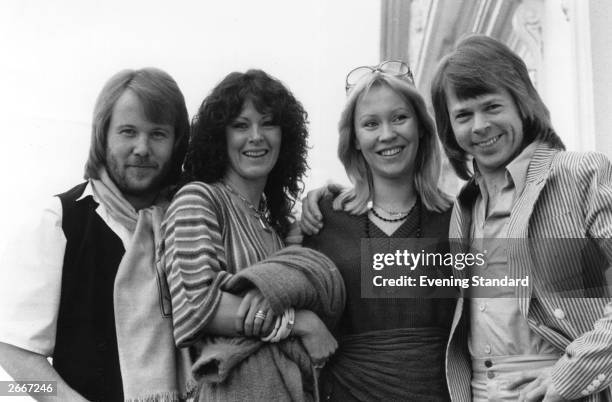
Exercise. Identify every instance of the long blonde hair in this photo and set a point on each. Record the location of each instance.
(427, 163)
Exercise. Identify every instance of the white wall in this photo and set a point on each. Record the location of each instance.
(57, 55)
(601, 49)
(557, 89)
(577, 83)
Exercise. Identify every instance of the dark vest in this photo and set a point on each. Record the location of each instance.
(86, 354)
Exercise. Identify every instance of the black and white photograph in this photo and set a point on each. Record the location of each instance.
(285, 200)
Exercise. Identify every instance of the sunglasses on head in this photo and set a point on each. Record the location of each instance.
(392, 67)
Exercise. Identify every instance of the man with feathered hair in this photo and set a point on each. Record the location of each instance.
(550, 211)
(87, 292)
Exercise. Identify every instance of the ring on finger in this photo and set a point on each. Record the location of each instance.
(261, 315)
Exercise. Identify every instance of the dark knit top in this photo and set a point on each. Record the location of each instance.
(364, 319)
(340, 239)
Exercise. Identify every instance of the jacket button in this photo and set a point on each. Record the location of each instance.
(559, 314)
(488, 363)
(490, 375)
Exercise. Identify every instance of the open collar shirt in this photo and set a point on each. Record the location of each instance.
(497, 327)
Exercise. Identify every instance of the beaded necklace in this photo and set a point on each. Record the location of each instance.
(414, 208)
(403, 214)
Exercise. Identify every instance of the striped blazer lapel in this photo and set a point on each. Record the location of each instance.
(458, 364)
(459, 235)
(520, 263)
(461, 219)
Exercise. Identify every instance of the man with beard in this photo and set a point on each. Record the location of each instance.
(87, 292)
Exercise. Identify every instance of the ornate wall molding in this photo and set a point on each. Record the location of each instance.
(526, 38)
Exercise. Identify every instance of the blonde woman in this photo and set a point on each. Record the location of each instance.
(389, 348)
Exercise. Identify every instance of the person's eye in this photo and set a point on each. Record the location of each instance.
(269, 123)
(462, 117)
(370, 124)
(239, 125)
(494, 107)
(400, 118)
(127, 131)
(159, 134)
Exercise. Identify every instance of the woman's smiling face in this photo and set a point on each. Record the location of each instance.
(253, 144)
(387, 133)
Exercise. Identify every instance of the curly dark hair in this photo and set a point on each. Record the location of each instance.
(207, 159)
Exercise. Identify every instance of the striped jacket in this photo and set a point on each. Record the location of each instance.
(567, 196)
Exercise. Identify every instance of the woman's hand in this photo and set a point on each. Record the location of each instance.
(316, 338)
(254, 316)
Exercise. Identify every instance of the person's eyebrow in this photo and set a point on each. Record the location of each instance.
(459, 109)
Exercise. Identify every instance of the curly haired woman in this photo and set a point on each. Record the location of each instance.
(253, 313)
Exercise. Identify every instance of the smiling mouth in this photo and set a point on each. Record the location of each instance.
(390, 151)
(489, 142)
(143, 166)
(255, 154)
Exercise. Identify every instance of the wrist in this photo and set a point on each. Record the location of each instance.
(303, 322)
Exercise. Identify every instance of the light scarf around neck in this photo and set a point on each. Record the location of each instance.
(152, 368)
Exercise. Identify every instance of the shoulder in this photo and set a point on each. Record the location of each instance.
(197, 194)
(74, 193)
(73, 207)
(70, 199)
(581, 166)
(436, 224)
(339, 227)
(569, 160)
(334, 219)
(197, 189)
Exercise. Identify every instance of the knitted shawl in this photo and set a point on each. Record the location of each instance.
(233, 369)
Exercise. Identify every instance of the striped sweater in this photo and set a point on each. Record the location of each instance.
(207, 238)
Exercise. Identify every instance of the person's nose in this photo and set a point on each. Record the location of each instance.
(141, 145)
(255, 133)
(387, 132)
(481, 124)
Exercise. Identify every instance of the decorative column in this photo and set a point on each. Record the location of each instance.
(395, 30)
(526, 38)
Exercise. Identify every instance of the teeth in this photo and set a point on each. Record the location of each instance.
(391, 151)
(489, 142)
(255, 154)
